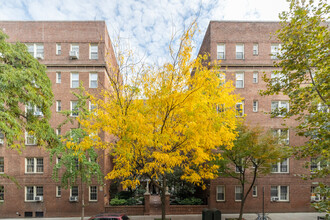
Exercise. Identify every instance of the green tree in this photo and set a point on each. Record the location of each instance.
(24, 85)
(304, 62)
(253, 154)
(77, 156)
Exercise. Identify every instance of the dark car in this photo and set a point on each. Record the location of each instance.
(109, 216)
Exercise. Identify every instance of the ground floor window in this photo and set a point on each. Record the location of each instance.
(279, 193)
(238, 193)
(220, 193)
(34, 193)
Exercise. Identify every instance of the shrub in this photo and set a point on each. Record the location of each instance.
(117, 202)
(190, 201)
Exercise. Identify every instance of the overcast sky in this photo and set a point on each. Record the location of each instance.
(146, 24)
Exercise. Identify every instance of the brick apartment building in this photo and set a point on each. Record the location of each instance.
(73, 52)
(244, 49)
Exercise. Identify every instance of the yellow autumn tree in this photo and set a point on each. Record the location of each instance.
(164, 118)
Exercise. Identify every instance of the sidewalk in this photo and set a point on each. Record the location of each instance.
(273, 216)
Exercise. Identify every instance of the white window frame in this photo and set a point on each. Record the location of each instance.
(236, 192)
(92, 80)
(77, 191)
(317, 165)
(73, 81)
(236, 106)
(34, 47)
(277, 77)
(58, 49)
(2, 165)
(90, 194)
(255, 77)
(71, 108)
(278, 105)
(279, 168)
(239, 49)
(255, 106)
(92, 51)
(27, 137)
(254, 191)
(92, 106)
(58, 106)
(283, 134)
(223, 191)
(58, 77)
(74, 47)
(221, 51)
(2, 138)
(58, 159)
(255, 49)
(2, 193)
(239, 76)
(35, 165)
(279, 192)
(275, 50)
(58, 191)
(36, 110)
(34, 193)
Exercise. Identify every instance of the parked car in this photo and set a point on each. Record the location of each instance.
(109, 216)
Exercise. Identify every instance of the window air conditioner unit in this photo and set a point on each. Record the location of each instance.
(73, 199)
(39, 56)
(317, 199)
(274, 199)
(39, 198)
(74, 54)
(38, 113)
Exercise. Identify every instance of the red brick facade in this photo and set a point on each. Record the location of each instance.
(49, 34)
(248, 34)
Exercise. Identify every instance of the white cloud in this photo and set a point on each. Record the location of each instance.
(148, 25)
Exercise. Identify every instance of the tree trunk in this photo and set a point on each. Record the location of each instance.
(163, 198)
(82, 201)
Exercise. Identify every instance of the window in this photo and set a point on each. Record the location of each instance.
(279, 108)
(239, 80)
(2, 193)
(283, 135)
(315, 194)
(58, 77)
(220, 193)
(255, 106)
(33, 110)
(74, 108)
(240, 109)
(58, 191)
(240, 51)
(222, 77)
(2, 138)
(36, 50)
(32, 191)
(2, 165)
(277, 77)
(279, 193)
(58, 106)
(58, 131)
(281, 166)
(255, 77)
(34, 165)
(58, 49)
(93, 80)
(254, 191)
(30, 139)
(93, 49)
(93, 193)
(74, 80)
(74, 51)
(92, 106)
(316, 164)
(74, 191)
(58, 159)
(275, 50)
(255, 49)
(238, 193)
(221, 51)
